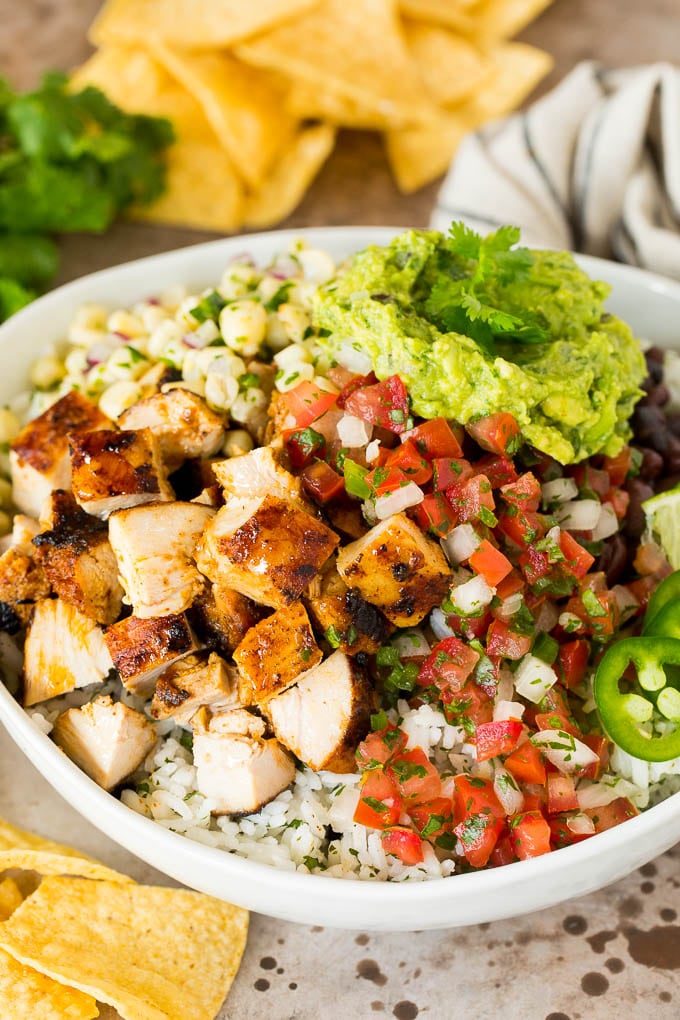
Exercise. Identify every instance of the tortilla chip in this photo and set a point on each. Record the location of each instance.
(29, 995)
(452, 13)
(355, 50)
(305, 102)
(58, 864)
(153, 954)
(190, 24)
(451, 65)
(517, 70)
(14, 838)
(293, 174)
(502, 19)
(10, 898)
(245, 107)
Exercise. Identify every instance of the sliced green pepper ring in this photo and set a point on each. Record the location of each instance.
(665, 594)
(622, 714)
(665, 623)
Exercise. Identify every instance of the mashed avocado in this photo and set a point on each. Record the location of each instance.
(569, 373)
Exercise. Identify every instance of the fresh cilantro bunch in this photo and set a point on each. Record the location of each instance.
(68, 161)
(460, 300)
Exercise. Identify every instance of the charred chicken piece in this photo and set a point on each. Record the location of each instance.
(64, 649)
(356, 625)
(274, 653)
(39, 456)
(203, 679)
(397, 568)
(142, 649)
(222, 617)
(265, 548)
(107, 740)
(23, 582)
(78, 560)
(154, 546)
(114, 470)
(325, 715)
(184, 424)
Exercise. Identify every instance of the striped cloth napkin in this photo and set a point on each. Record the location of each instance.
(593, 166)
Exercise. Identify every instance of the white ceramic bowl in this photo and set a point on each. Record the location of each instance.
(652, 306)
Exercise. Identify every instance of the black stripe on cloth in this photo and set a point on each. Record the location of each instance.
(538, 163)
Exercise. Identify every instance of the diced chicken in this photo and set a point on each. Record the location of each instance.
(160, 374)
(203, 679)
(24, 530)
(154, 546)
(397, 568)
(222, 617)
(39, 455)
(325, 715)
(265, 548)
(107, 740)
(64, 649)
(184, 424)
(78, 560)
(254, 474)
(237, 721)
(355, 625)
(274, 653)
(142, 649)
(23, 582)
(114, 470)
(210, 496)
(238, 771)
(348, 520)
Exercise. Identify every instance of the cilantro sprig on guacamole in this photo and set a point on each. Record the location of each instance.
(475, 326)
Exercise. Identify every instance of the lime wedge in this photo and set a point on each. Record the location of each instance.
(663, 522)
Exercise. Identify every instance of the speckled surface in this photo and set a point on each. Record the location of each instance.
(615, 952)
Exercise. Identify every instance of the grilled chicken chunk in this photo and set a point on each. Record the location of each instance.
(23, 582)
(24, 530)
(39, 455)
(203, 679)
(356, 624)
(325, 715)
(77, 558)
(107, 740)
(184, 424)
(64, 649)
(141, 649)
(274, 653)
(265, 548)
(114, 470)
(221, 617)
(154, 546)
(397, 568)
(257, 473)
(236, 767)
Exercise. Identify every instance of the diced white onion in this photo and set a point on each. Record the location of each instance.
(506, 789)
(581, 825)
(353, 360)
(411, 644)
(534, 678)
(559, 490)
(473, 595)
(460, 543)
(607, 523)
(580, 514)
(503, 710)
(594, 795)
(372, 451)
(400, 499)
(353, 432)
(547, 616)
(564, 751)
(625, 600)
(510, 606)
(440, 627)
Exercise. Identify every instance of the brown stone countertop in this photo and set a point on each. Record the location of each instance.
(590, 959)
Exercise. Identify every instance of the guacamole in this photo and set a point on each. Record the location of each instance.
(571, 384)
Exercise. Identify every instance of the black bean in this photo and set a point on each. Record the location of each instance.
(673, 422)
(651, 464)
(672, 455)
(634, 522)
(667, 482)
(650, 428)
(656, 355)
(613, 559)
(655, 393)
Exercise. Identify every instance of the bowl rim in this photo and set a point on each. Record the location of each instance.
(90, 800)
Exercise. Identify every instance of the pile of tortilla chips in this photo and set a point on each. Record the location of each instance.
(73, 933)
(257, 90)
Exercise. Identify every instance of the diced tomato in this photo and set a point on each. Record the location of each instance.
(520, 527)
(526, 764)
(591, 479)
(403, 843)
(561, 834)
(416, 778)
(525, 493)
(561, 794)
(449, 471)
(434, 514)
(321, 482)
(499, 470)
(385, 404)
(379, 747)
(470, 706)
(555, 720)
(304, 446)
(510, 585)
(577, 560)
(470, 627)
(471, 498)
(503, 641)
(535, 564)
(602, 748)
(448, 665)
(619, 500)
(356, 383)
(494, 738)
(307, 402)
(600, 622)
(606, 817)
(433, 818)
(479, 817)
(340, 376)
(379, 801)
(473, 795)
(407, 459)
(478, 835)
(642, 588)
(572, 660)
(502, 853)
(490, 563)
(529, 835)
(618, 467)
(386, 479)
(435, 438)
(556, 700)
(497, 433)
